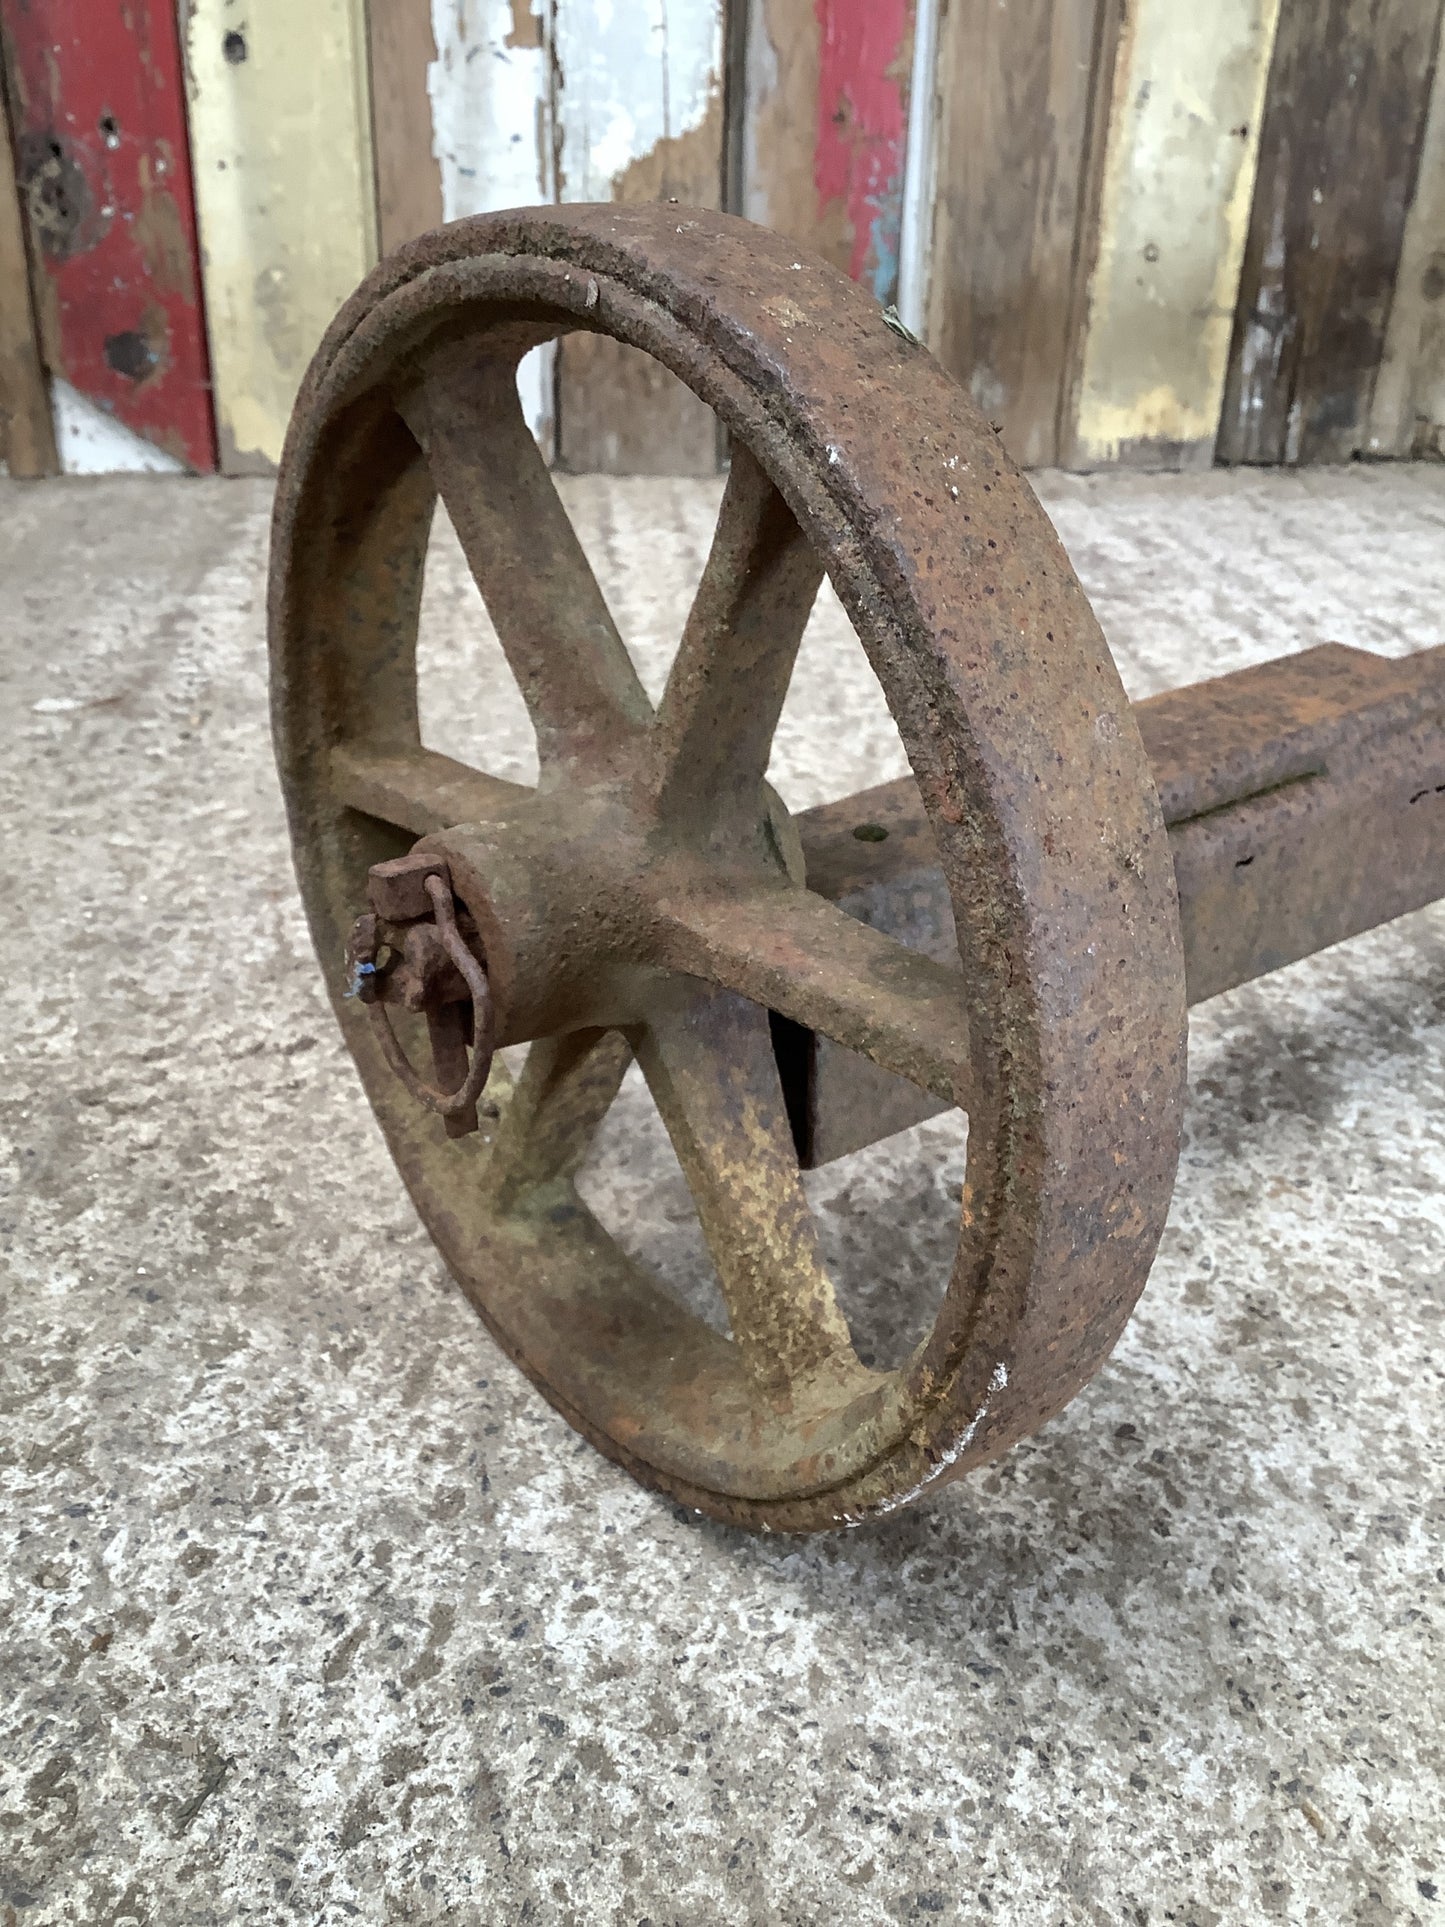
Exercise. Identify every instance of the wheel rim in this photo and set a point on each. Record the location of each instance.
(1069, 1044)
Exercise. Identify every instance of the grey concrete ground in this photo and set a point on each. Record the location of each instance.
(311, 1610)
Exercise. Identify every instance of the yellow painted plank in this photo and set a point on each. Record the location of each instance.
(1173, 217)
(285, 194)
(1408, 414)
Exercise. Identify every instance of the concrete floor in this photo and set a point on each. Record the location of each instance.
(311, 1609)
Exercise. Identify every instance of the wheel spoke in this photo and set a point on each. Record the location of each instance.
(709, 1064)
(418, 789)
(565, 1090)
(798, 954)
(714, 728)
(580, 687)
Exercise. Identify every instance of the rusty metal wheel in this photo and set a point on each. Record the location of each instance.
(646, 899)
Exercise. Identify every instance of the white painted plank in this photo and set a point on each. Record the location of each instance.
(1183, 139)
(920, 172)
(490, 88)
(579, 100)
(281, 150)
(639, 117)
(632, 76)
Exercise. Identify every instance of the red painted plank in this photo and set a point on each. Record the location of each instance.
(865, 51)
(100, 129)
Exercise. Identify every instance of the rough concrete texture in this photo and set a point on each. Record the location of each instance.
(313, 1610)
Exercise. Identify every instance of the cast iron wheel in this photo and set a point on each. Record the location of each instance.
(646, 898)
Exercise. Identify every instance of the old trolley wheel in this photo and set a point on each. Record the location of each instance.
(645, 898)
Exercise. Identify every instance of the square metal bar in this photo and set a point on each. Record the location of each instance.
(1304, 801)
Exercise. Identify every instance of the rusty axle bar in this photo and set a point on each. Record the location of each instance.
(1305, 803)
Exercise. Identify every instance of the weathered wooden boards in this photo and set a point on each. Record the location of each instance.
(1022, 89)
(1091, 168)
(1169, 233)
(490, 89)
(27, 439)
(281, 138)
(1149, 232)
(638, 117)
(1160, 230)
(824, 124)
(100, 136)
(813, 142)
(401, 46)
(1407, 415)
(1339, 155)
(500, 103)
(1094, 176)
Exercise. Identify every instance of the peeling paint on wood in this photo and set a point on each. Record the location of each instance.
(634, 85)
(91, 442)
(401, 48)
(100, 135)
(1020, 85)
(27, 441)
(490, 128)
(862, 121)
(1339, 152)
(489, 87)
(639, 117)
(1408, 413)
(1178, 177)
(825, 124)
(281, 137)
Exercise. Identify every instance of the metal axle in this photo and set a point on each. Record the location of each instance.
(1304, 801)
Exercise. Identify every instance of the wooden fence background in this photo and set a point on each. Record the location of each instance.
(1156, 233)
